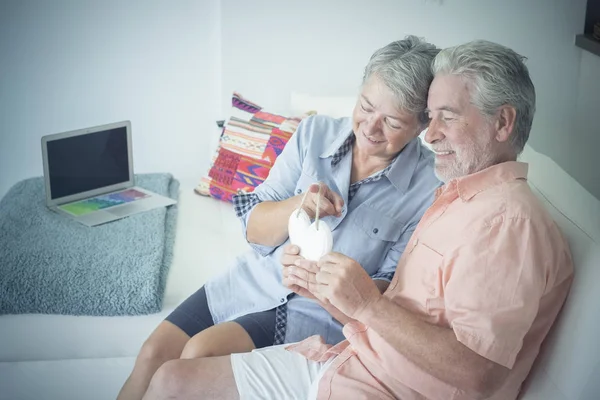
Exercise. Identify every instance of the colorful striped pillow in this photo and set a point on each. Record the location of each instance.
(250, 142)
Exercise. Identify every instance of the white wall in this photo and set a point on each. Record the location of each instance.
(580, 155)
(321, 47)
(170, 67)
(70, 64)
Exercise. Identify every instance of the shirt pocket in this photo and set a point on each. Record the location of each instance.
(376, 225)
(425, 275)
(370, 236)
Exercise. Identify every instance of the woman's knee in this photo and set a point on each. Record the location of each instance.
(201, 345)
(166, 343)
(219, 340)
(152, 350)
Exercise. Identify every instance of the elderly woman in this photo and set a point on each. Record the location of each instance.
(376, 181)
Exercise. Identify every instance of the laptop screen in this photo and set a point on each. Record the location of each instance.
(86, 162)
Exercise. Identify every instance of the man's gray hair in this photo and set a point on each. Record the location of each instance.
(498, 76)
(404, 66)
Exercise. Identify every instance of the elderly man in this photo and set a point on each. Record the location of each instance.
(478, 287)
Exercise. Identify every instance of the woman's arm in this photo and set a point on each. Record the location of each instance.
(268, 222)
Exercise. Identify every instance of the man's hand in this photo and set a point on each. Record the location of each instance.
(344, 283)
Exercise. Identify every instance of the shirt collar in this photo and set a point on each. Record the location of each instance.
(344, 149)
(468, 186)
(343, 134)
(403, 166)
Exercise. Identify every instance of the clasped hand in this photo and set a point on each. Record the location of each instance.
(335, 279)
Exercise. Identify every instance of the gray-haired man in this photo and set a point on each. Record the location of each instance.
(478, 287)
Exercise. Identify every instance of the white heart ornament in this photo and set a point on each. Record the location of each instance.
(313, 243)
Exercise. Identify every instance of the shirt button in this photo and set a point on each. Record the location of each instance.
(298, 191)
(282, 300)
(375, 230)
(280, 325)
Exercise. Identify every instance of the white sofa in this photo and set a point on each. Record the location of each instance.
(57, 357)
(65, 357)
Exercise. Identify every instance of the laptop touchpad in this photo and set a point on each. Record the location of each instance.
(127, 209)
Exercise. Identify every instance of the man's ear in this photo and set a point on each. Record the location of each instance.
(505, 122)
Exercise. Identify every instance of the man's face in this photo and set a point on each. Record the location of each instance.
(380, 127)
(461, 136)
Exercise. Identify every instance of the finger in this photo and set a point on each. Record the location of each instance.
(301, 274)
(336, 200)
(287, 283)
(294, 288)
(323, 278)
(307, 265)
(332, 258)
(328, 196)
(314, 188)
(294, 280)
(330, 269)
(326, 207)
(287, 260)
(291, 249)
(339, 205)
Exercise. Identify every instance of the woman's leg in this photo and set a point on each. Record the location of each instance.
(219, 340)
(167, 342)
(164, 344)
(242, 335)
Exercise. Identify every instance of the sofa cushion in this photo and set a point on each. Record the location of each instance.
(250, 142)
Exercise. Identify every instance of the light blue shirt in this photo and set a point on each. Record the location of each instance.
(373, 229)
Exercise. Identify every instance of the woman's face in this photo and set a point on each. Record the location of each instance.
(381, 128)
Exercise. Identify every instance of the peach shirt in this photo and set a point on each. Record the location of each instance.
(487, 261)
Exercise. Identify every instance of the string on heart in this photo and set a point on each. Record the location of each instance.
(318, 205)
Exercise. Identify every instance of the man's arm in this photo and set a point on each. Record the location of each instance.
(340, 316)
(381, 278)
(433, 349)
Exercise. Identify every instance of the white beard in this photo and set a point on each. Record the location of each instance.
(467, 160)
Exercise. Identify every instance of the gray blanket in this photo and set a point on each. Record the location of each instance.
(51, 264)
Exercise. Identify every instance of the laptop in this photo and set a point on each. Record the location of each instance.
(88, 175)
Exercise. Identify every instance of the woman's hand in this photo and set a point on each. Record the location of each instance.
(288, 259)
(331, 203)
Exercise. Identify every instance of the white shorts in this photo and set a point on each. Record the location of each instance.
(275, 373)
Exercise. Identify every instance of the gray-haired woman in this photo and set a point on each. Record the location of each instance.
(376, 182)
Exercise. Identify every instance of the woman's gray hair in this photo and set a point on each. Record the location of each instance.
(498, 76)
(404, 66)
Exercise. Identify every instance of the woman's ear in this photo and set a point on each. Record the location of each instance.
(505, 122)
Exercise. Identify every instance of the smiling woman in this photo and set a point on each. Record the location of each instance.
(376, 180)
